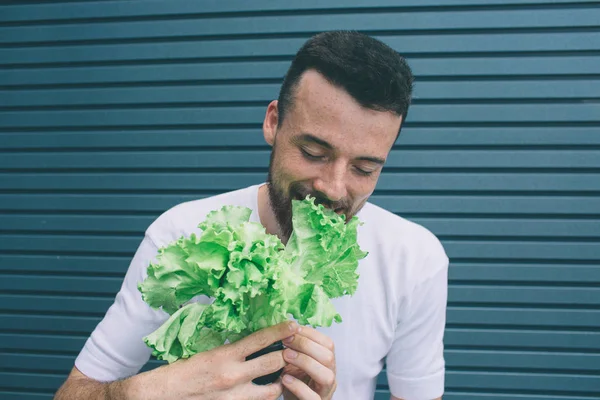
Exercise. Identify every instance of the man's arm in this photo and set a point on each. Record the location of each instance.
(415, 363)
(221, 373)
(79, 386)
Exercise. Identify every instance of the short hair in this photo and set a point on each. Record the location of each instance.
(370, 71)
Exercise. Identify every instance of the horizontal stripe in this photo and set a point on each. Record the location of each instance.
(564, 207)
(468, 248)
(474, 272)
(182, 116)
(523, 360)
(69, 342)
(307, 24)
(400, 158)
(24, 395)
(544, 383)
(287, 47)
(454, 379)
(555, 327)
(173, 95)
(210, 72)
(487, 227)
(194, 138)
(112, 9)
(476, 249)
(458, 294)
(437, 181)
(522, 317)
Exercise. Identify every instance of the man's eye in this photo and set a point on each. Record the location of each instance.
(311, 156)
(363, 172)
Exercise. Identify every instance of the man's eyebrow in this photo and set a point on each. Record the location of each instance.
(375, 160)
(307, 137)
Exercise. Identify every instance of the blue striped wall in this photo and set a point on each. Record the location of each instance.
(112, 112)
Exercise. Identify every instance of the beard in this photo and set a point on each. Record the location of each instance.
(281, 200)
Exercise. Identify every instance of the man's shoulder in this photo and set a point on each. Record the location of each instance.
(402, 241)
(392, 228)
(184, 218)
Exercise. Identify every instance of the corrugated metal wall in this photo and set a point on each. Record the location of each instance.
(111, 112)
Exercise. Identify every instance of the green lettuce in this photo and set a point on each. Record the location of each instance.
(254, 281)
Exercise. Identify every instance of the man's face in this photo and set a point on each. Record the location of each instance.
(329, 147)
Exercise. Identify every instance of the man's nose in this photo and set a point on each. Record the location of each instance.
(332, 182)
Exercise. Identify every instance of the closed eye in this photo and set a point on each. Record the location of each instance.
(310, 156)
(363, 172)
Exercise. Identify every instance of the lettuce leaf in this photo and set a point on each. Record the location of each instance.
(183, 270)
(254, 280)
(324, 248)
(182, 336)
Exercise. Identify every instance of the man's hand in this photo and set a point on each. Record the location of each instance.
(224, 373)
(311, 370)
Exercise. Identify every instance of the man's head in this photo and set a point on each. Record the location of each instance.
(340, 110)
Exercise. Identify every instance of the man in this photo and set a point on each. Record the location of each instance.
(339, 112)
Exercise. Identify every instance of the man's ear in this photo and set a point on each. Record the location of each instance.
(270, 123)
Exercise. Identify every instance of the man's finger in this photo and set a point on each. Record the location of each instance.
(293, 370)
(317, 371)
(317, 336)
(264, 338)
(263, 365)
(265, 392)
(304, 344)
(299, 388)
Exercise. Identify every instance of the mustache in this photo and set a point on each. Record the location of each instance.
(300, 193)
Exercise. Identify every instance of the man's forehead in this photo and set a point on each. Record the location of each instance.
(317, 95)
(314, 86)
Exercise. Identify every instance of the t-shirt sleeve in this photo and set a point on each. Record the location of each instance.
(115, 349)
(415, 363)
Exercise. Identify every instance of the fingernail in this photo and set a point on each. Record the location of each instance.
(288, 379)
(293, 326)
(288, 340)
(291, 353)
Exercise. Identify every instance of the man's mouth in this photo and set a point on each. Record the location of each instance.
(300, 196)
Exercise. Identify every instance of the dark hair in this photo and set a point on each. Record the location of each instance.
(370, 71)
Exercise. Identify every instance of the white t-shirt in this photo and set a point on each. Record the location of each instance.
(396, 316)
